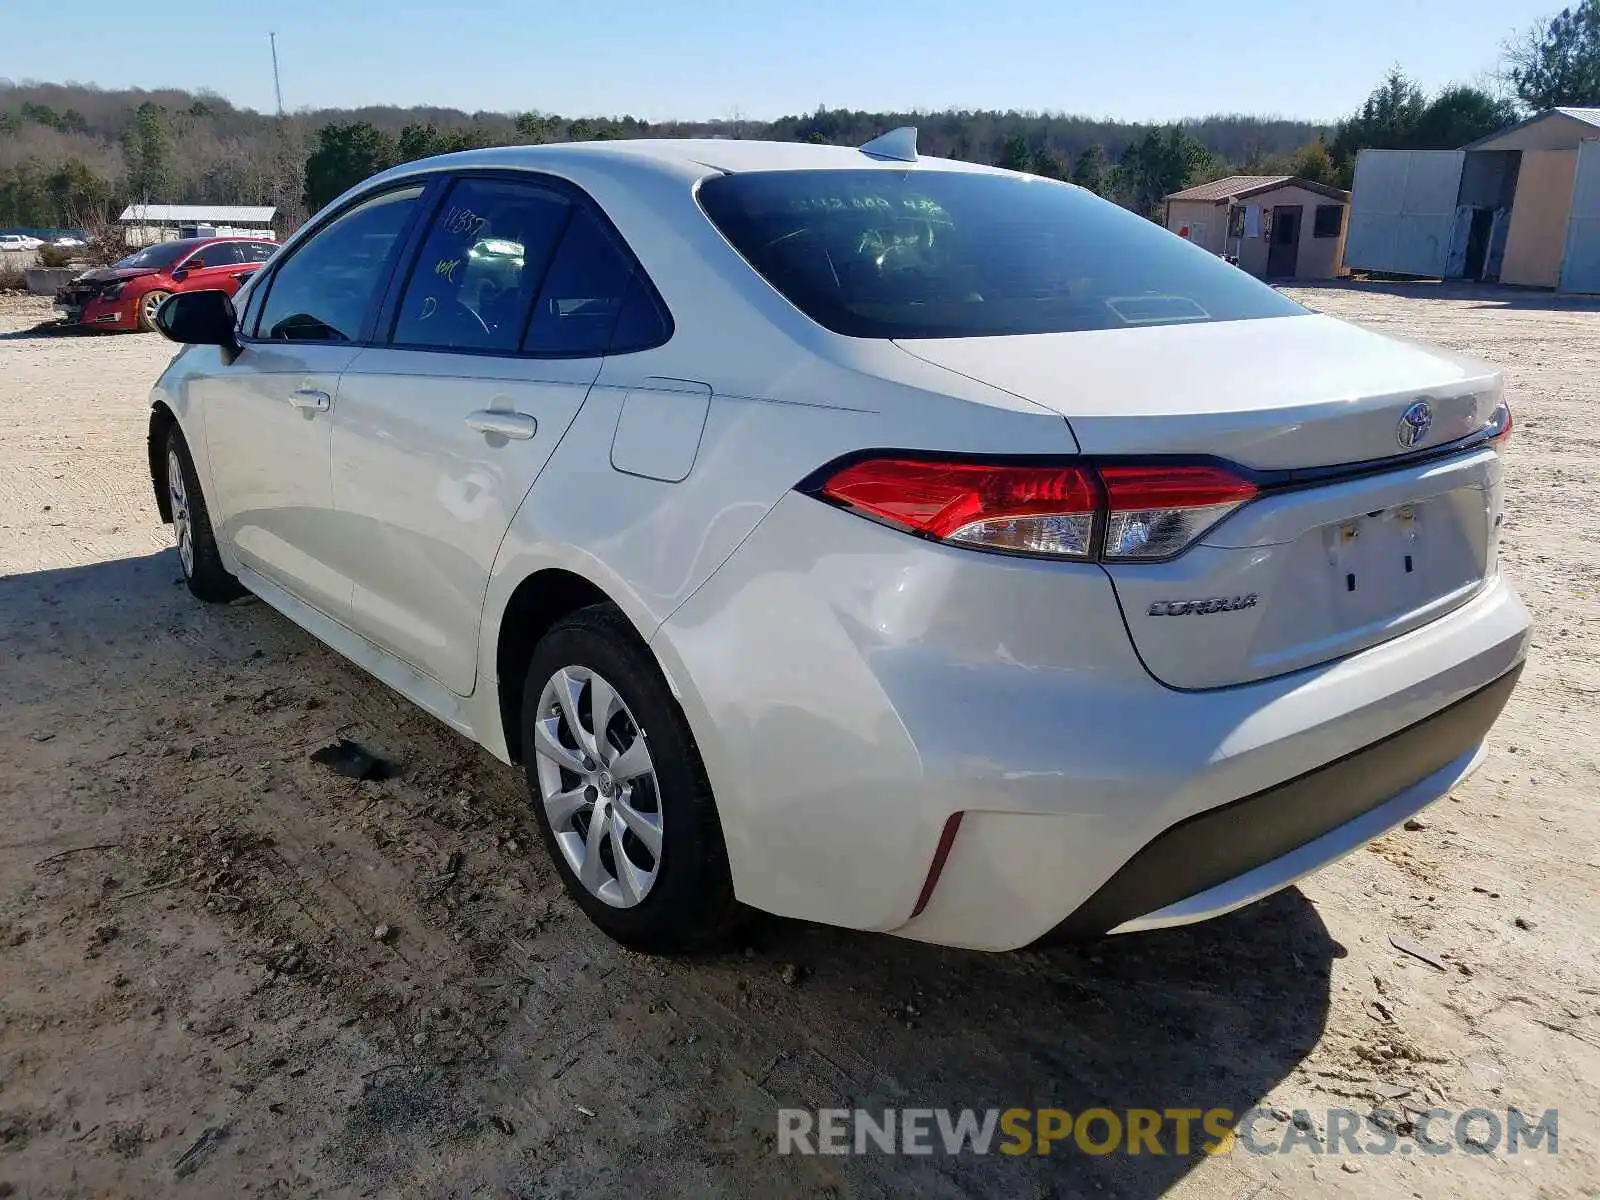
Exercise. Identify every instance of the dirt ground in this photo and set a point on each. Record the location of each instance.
(193, 1001)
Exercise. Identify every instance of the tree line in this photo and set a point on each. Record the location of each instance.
(72, 155)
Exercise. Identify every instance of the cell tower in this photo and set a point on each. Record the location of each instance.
(277, 86)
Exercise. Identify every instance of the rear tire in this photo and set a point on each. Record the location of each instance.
(202, 565)
(654, 876)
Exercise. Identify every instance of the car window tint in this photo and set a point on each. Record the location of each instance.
(928, 253)
(250, 312)
(223, 254)
(641, 323)
(483, 258)
(582, 294)
(323, 291)
(257, 252)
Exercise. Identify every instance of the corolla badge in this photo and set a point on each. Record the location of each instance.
(1414, 424)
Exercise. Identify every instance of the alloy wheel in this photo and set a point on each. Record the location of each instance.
(598, 786)
(182, 527)
(151, 305)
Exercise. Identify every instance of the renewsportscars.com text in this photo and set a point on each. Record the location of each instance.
(1178, 1131)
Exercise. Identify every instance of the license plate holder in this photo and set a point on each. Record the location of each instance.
(1380, 560)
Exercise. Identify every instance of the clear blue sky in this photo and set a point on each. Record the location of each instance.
(1131, 59)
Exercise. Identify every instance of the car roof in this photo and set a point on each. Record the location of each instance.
(700, 156)
(191, 243)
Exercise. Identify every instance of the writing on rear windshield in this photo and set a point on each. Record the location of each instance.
(933, 253)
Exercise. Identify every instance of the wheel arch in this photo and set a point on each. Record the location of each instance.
(537, 603)
(162, 419)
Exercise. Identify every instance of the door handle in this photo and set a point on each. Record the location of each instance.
(507, 424)
(311, 398)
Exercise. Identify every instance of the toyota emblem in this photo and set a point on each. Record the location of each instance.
(1414, 424)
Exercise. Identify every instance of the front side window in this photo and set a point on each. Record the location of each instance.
(324, 291)
(480, 265)
(931, 253)
(221, 254)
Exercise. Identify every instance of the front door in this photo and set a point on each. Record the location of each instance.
(1283, 256)
(268, 414)
(221, 266)
(217, 266)
(439, 435)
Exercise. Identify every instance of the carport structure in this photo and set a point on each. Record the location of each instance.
(1521, 206)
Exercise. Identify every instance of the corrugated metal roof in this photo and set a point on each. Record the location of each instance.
(1590, 116)
(199, 214)
(1236, 187)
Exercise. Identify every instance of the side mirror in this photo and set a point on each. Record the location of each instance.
(199, 319)
(181, 274)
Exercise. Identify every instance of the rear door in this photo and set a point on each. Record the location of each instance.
(268, 413)
(497, 334)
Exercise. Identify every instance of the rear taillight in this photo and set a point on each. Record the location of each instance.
(1500, 424)
(1156, 511)
(1023, 509)
(1115, 511)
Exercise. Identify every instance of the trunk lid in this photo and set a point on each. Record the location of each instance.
(1270, 394)
(1308, 571)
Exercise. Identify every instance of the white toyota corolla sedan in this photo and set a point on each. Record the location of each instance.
(877, 540)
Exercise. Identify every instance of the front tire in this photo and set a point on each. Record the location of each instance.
(619, 792)
(149, 304)
(202, 565)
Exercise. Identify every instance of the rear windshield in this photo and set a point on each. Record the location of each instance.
(928, 253)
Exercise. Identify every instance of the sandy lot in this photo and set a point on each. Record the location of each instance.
(192, 1001)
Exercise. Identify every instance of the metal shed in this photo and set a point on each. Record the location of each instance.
(1520, 206)
(146, 223)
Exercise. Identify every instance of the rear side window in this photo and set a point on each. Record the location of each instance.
(481, 263)
(256, 252)
(324, 291)
(930, 253)
(592, 294)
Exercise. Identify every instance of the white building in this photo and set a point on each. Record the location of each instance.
(147, 223)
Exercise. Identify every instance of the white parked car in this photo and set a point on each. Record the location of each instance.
(877, 540)
(15, 241)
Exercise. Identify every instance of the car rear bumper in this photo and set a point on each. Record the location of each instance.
(1229, 856)
(871, 706)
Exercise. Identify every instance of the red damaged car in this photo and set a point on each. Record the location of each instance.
(126, 294)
